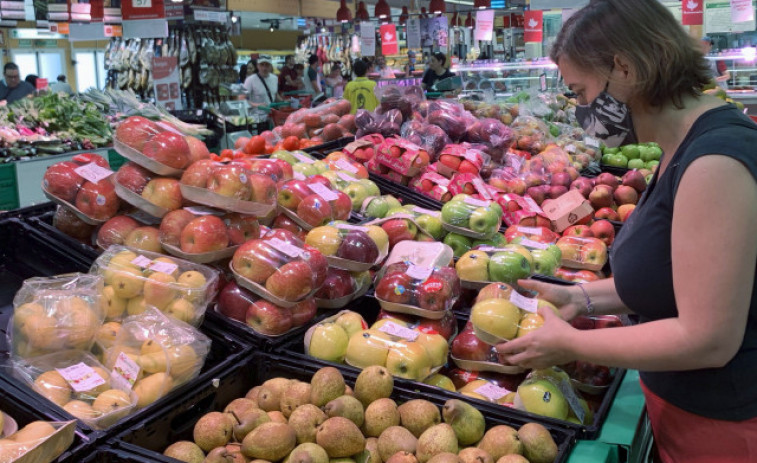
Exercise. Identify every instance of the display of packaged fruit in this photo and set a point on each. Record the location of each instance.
(135, 280)
(82, 185)
(401, 227)
(539, 234)
(406, 352)
(38, 441)
(589, 377)
(471, 217)
(339, 161)
(204, 235)
(461, 158)
(350, 247)
(414, 289)
(473, 185)
(157, 197)
(433, 185)
(485, 264)
(75, 381)
(230, 186)
(153, 353)
(586, 253)
(342, 287)
(312, 202)
(549, 392)
(279, 267)
(445, 326)
(507, 315)
(578, 275)
(363, 149)
(487, 390)
(401, 156)
(56, 313)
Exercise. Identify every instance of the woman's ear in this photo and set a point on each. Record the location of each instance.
(622, 67)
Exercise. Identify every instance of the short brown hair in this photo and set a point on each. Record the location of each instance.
(668, 62)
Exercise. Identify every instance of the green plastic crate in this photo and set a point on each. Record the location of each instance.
(8, 187)
(115, 160)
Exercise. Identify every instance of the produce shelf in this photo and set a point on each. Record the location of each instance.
(324, 149)
(112, 455)
(176, 422)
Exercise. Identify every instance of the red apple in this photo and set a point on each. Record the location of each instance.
(144, 238)
(625, 194)
(286, 236)
(537, 194)
(286, 169)
(263, 189)
(603, 230)
(164, 192)
(267, 318)
(399, 230)
(303, 312)
(98, 200)
(561, 179)
(338, 283)
(578, 230)
(206, 233)
(606, 178)
(291, 282)
(318, 264)
(67, 222)
(115, 230)
(635, 179)
(135, 131)
(556, 191)
(230, 181)
(233, 301)
(198, 150)
(601, 196)
(133, 177)
(445, 326)
(268, 168)
(607, 321)
(625, 210)
(284, 222)
(342, 206)
(256, 261)
(466, 346)
(467, 167)
(517, 186)
(433, 294)
(172, 224)
(584, 185)
(198, 173)
(314, 210)
(395, 287)
(292, 193)
(607, 213)
(168, 148)
(61, 181)
(318, 179)
(83, 159)
(453, 162)
(241, 228)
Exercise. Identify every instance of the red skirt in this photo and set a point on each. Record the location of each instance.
(681, 436)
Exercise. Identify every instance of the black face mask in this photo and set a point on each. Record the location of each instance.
(607, 119)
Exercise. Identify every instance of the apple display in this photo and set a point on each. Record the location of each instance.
(399, 230)
(198, 173)
(291, 282)
(62, 181)
(460, 244)
(230, 181)
(198, 150)
(359, 247)
(303, 312)
(484, 220)
(233, 301)
(368, 347)
(98, 200)
(408, 360)
(67, 222)
(168, 148)
(508, 267)
(115, 230)
(164, 192)
(267, 318)
(206, 233)
(256, 261)
(625, 194)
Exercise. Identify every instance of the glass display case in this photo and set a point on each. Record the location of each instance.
(509, 78)
(742, 85)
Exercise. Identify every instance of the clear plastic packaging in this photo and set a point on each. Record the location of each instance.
(94, 201)
(432, 184)
(65, 179)
(133, 177)
(135, 280)
(158, 197)
(473, 185)
(155, 146)
(531, 134)
(485, 264)
(38, 442)
(56, 313)
(494, 134)
(279, 267)
(538, 234)
(486, 389)
(586, 253)
(350, 247)
(402, 156)
(430, 137)
(461, 158)
(341, 287)
(451, 117)
(312, 203)
(471, 217)
(75, 381)
(387, 124)
(425, 291)
(549, 392)
(340, 162)
(503, 318)
(401, 227)
(406, 100)
(589, 377)
(363, 149)
(153, 354)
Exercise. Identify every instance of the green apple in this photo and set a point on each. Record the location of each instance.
(368, 347)
(473, 266)
(508, 267)
(496, 241)
(395, 210)
(651, 153)
(373, 189)
(497, 208)
(431, 225)
(652, 164)
(607, 158)
(392, 201)
(498, 317)
(301, 154)
(543, 398)
(440, 381)
(522, 250)
(460, 244)
(328, 342)
(377, 207)
(285, 156)
(544, 262)
(457, 213)
(408, 360)
(556, 252)
(320, 166)
(648, 178)
(607, 150)
(630, 151)
(308, 170)
(351, 322)
(635, 164)
(618, 160)
(357, 194)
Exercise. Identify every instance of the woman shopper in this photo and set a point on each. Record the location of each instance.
(694, 290)
(436, 71)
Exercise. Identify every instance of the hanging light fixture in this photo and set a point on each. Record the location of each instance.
(382, 10)
(455, 20)
(437, 7)
(343, 14)
(469, 21)
(403, 16)
(482, 4)
(362, 13)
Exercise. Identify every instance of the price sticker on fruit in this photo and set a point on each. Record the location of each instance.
(528, 304)
(492, 391)
(93, 173)
(163, 267)
(476, 202)
(533, 244)
(142, 261)
(81, 377)
(125, 372)
(288, 249)
(323, 191)
(400, 331)
(346, 165)
(302, 158)
(530, 230)
(346, 177)
(419, 272)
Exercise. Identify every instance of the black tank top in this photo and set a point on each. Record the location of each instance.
(641, 262)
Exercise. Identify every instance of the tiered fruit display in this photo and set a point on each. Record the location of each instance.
(312, 202)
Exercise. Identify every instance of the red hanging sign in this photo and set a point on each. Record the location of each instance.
(533, 26)
(506, 21)
(41, 83)
(142, 9)
(389, 44)
(692, 12)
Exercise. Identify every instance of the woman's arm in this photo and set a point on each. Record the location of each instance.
(714, 251)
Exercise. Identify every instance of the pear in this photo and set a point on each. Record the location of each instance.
(53, 387)
(475, 455)
(239, 407)
(33, 432)
(151, 388)
(277, 417)
(466, 420)
(305, 421)
(234, 454)
(340, 437)
(444, 457)
(218, 455)
(298, 393)
(500, 441)
(308, 453)
(112, 405)
(106, 334)
(213, 430)
(538, 445)
(184, 363)
(513, 458)
(347, 407)
(185, 451)
(402, 457)
(396, 439)
(246, 419)
(326, 385)
(379, 415)
(417, 415)
(371, 453)
(437, 439)
(252, 394)
(373, 383)
(269, 396)
(269, 441)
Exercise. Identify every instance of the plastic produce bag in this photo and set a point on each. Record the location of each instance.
(428, 136)
(312, 203)
(404, 99)
(38, 442)
(56, 313)
(531, 134)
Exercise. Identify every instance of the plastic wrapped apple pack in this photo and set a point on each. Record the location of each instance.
(137, 279)
(340, 162)
(151, 193)
(402, 156)
(590, 378)
(350, 247)
(230, 186)
(279, 267)
(155, 146)
(507, 264)
(473, 185)
(587, 253)
(51, 314)
(461, 158)
(531, 134)
(82, 185)
(75, 381)
(38, 441)
(430, 137)
(471, 353)
(401, 227)
(472, 217)
(363, 149)
(451, 117)
(153, 354)
(342, 287)
(406, 100)
(311, 203)
(487, 390)
(496, 136)
(549, 392)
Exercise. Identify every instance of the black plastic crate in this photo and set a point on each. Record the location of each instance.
(30, 211)
(176, 423)
(113, 455)
(324, 149)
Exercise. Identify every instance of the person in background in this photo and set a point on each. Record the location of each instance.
(242, 73)
(310, 80)
(13, 88)
(60, 85)
(360, 92)
(288, 76)
(31, 79)
(696, 345)
(334, 81)
(385, 72)
(436, 71)
(299, 68)
(718, 68)
(263, 86)
(410, 66)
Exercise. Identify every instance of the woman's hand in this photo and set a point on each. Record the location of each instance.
(563, 297)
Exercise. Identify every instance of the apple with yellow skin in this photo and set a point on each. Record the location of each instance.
(408, 360)
(328, 341)
(498, 317)
(473, 266)
(368, 347)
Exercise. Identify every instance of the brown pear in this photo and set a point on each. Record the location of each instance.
(402, 457)
(277, 417)
(213, 430)
(340, 437)
(326, 385)
(347, 407)
(252, 394)
(305, 421)
(538, 444)
(501, 440)
(218, 455)
(475, 455)
(514, 458)
(444, 457)
(373, 383)
(418, 415)
(371, 453)
(234, 454)
(245, 420)
(379, 415)
(437, 439)
(185, 451)
(239, 407)
(308, 453)
(271, 391)
(296, 394)
(269, 441)
(396, 439)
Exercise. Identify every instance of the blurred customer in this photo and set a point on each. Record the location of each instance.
(13, 88)
(60, 85)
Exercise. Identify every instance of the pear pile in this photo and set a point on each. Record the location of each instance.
(26, 438)
(325, 421)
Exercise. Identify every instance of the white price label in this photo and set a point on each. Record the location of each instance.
(481, 187)
(81, 377)
(476, 202)
(570, 148)
(346, 226)
(419, 273)
(298, 176)
(141, 3)
(528, 304)
(92, 172)
(532, 206)
(533, 244)
(530, 230)
(400, 331)
(591, 141)
(141, 261)
(422, 211)
(490, 249)
(346, 177)
(323, 192)
(492, 392)
(163, 267)
(302, 158)
(288, 249)
(125, 372)
(346, 165)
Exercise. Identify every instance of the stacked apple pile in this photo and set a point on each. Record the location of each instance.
(399, 160)
(325, 122)
(82, 185)
(312, 202)
(461, 159)
(634, 156)
(355, 247)
(613, 198)
(325, 419)
(134, 282)
(201, 231)
(472, 217)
